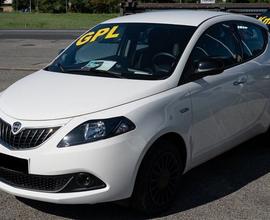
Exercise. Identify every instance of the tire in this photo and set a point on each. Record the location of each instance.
(158, 178)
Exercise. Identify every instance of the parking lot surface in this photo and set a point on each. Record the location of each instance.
(28, 54)
(235, 185)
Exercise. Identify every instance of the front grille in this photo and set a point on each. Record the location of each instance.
(26, 138)
(34, 182)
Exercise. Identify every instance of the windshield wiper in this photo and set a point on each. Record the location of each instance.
(88, 70)
(61, 67)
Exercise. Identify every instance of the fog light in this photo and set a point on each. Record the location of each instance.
(84, 180)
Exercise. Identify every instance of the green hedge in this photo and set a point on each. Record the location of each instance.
(59, 6)
(91, 6)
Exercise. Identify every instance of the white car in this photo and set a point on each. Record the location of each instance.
(133, 104)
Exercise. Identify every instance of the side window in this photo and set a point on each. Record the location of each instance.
(218, 42)
(253, 39)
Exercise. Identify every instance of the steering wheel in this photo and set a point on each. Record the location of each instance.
(160, 67)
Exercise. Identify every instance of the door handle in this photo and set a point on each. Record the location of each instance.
(240, 81)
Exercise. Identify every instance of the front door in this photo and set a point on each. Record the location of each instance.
(218, 108)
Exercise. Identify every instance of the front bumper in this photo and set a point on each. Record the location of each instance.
(114, 161)
(73, 182)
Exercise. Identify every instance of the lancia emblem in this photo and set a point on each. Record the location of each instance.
(16, 127)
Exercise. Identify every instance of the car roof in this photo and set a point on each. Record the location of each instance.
(178, 17)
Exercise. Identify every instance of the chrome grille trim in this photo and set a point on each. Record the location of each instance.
(41, 133)
(27, 138)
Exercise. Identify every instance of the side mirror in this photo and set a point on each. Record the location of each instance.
(60, 51)
(209, 67)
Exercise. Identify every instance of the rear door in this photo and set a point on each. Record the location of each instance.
(254, 40)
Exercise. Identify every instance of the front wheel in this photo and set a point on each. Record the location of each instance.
(158, 178)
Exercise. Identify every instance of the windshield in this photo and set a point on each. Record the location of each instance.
(135, 51)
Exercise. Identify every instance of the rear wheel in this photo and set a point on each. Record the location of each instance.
(158, 178)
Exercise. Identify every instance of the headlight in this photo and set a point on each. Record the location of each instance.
(95, 130)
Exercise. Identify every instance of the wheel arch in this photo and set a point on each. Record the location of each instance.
(179, 142)
(176, 138)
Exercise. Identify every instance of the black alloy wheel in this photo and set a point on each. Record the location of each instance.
(158, 178)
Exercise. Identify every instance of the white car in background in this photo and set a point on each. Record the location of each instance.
(133, 104)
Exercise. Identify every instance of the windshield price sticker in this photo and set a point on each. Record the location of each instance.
(104, 65)
(107, 33)
(264, 19)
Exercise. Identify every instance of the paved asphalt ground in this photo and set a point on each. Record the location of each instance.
(40, 34)
(235, 185)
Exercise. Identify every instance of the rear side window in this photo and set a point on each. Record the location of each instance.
(253, 38)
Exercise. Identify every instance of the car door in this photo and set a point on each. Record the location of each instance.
(254, 40)
(218, 108)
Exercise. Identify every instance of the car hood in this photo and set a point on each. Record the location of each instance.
(48, 95)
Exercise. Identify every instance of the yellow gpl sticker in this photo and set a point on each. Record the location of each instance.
(107, 33)
(264, 19)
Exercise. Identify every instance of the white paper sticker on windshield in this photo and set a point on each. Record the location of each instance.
(104, 65)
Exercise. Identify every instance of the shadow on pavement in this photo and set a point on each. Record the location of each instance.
(208, 182)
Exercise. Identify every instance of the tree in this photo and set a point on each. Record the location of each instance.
(1, 2)
(83, 6)
(22, 4)
(95, 6)
(52, 6)
(101, 6)
(113, 6)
